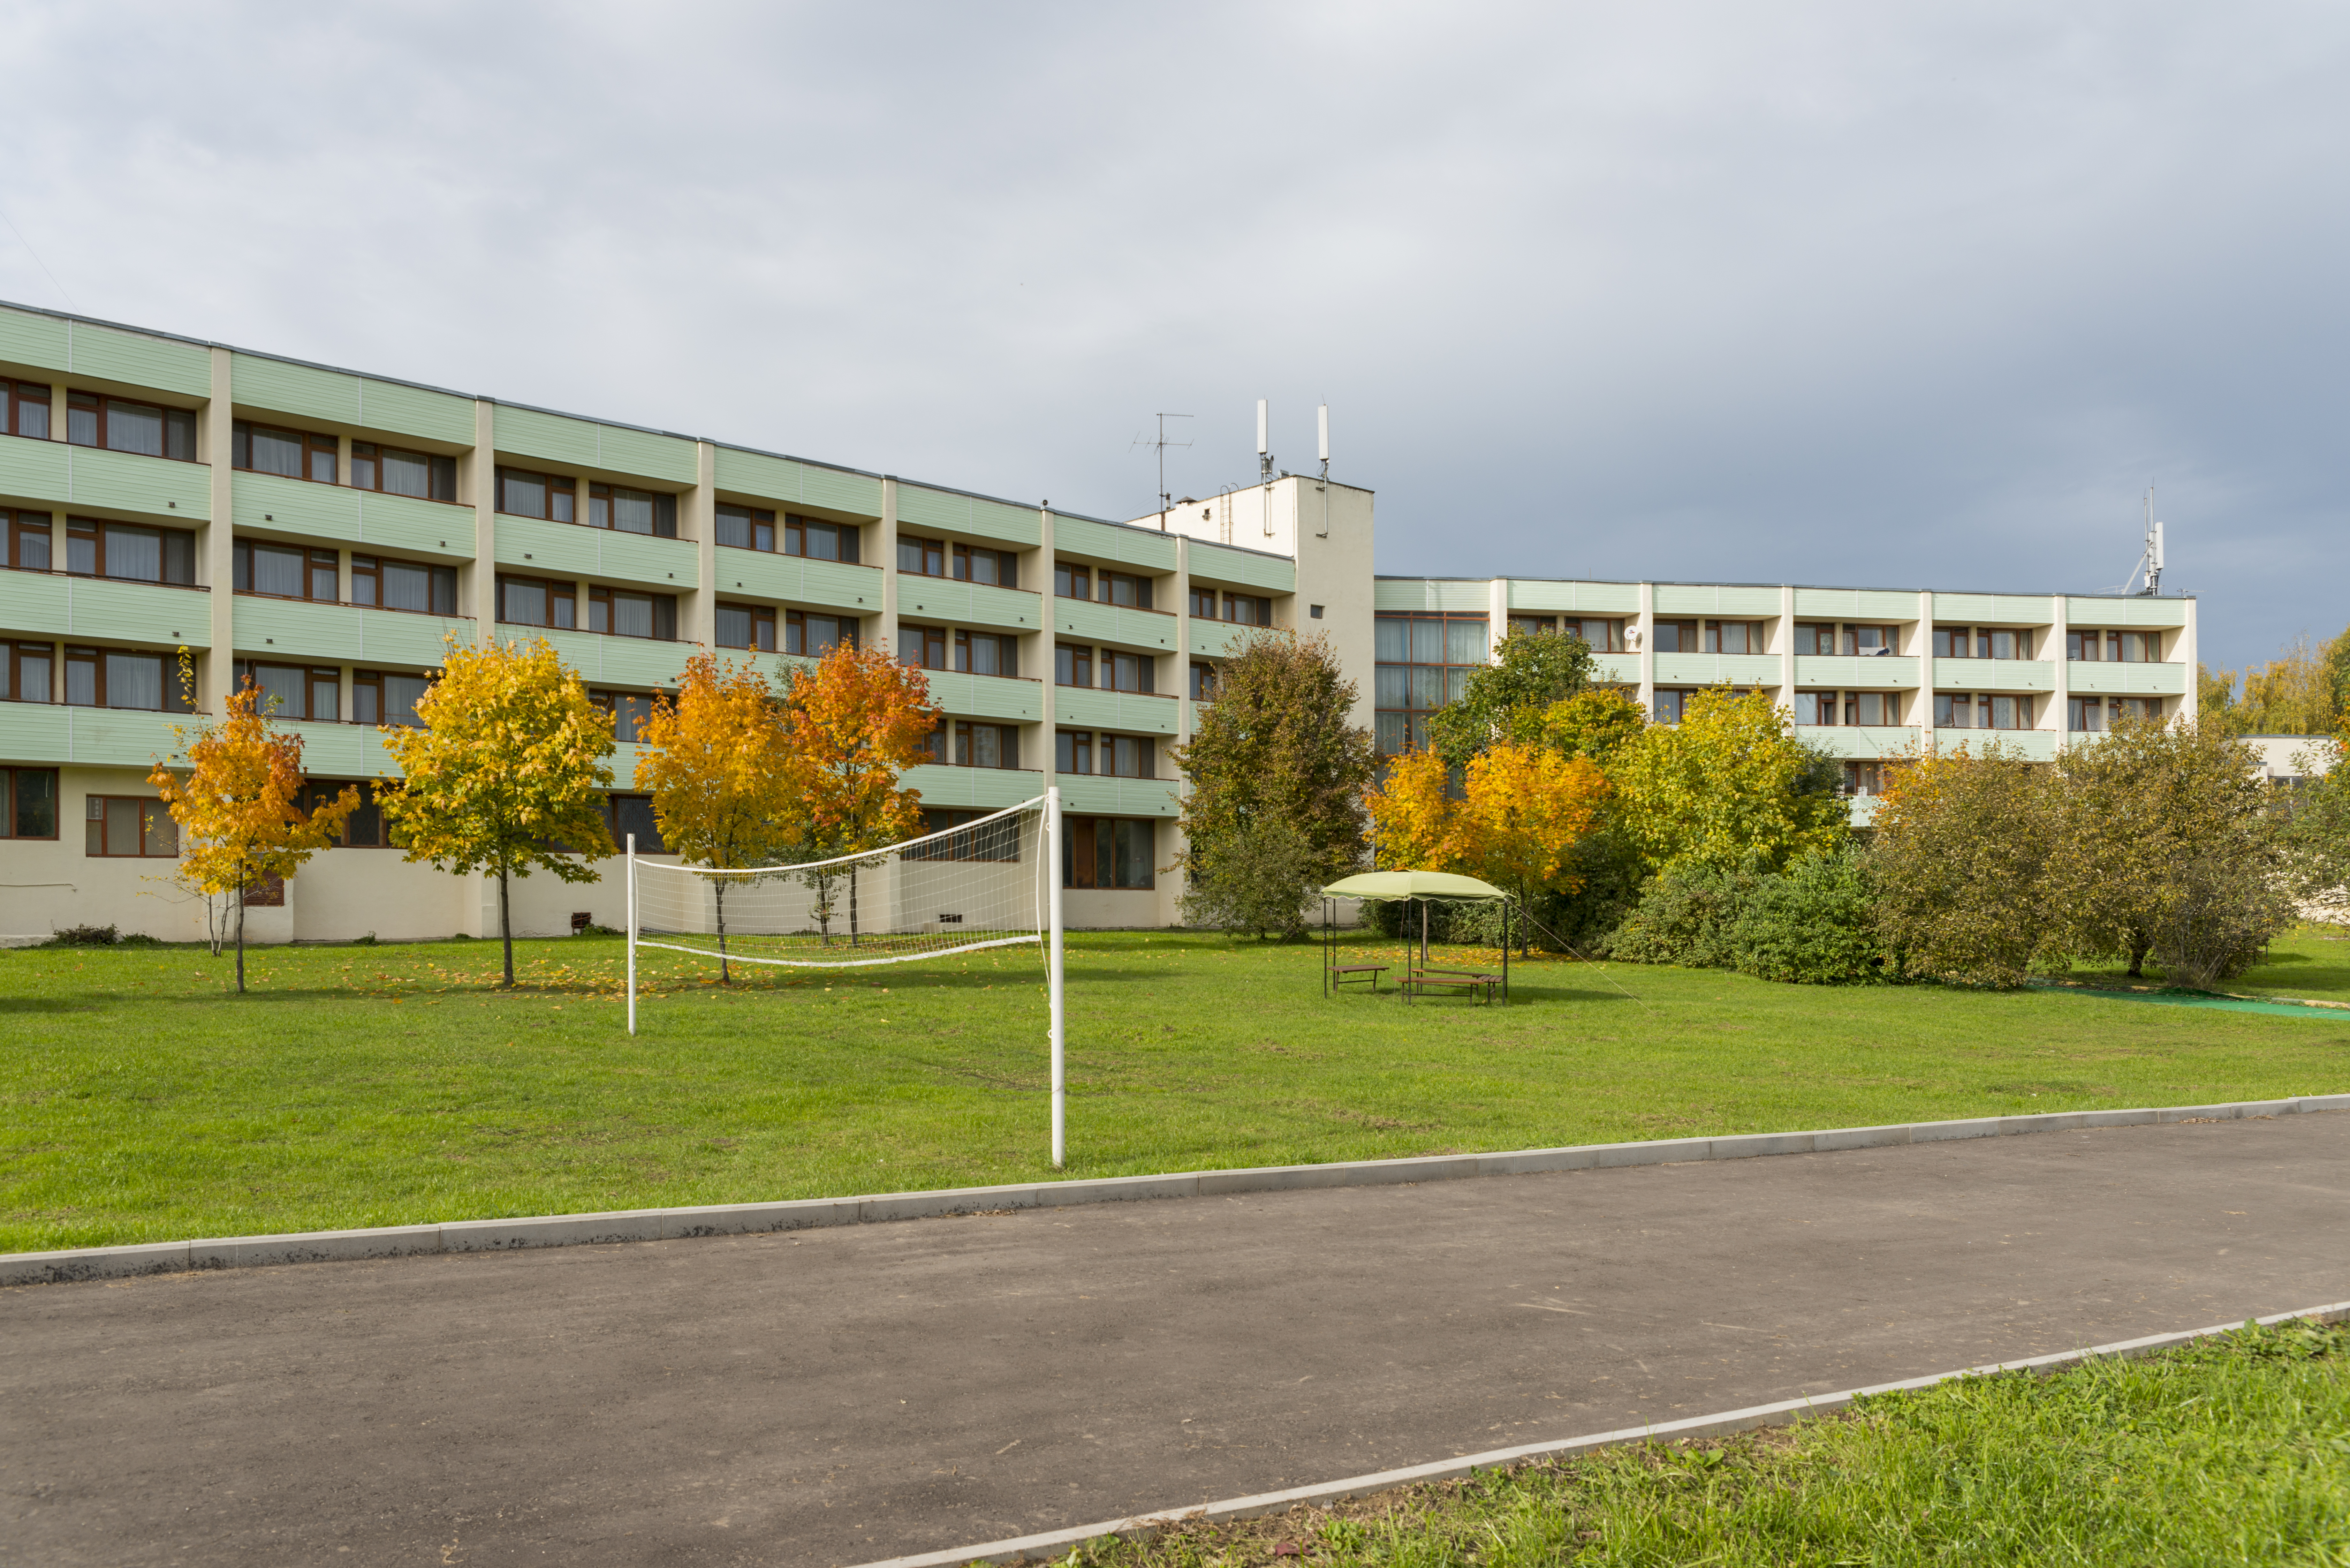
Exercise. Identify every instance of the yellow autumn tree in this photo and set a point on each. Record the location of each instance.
(238, 804)
(1730, 786)
(504, 772)
(852, 724)
(1411, 817)
(717, 767)
(1523, 810)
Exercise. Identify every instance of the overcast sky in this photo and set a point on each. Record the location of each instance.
(1915, 295)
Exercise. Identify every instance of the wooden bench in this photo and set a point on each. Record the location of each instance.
(1339, 974)
(1456, 979)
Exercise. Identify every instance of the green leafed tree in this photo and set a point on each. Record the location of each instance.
(1509, 701)
(1961, 852)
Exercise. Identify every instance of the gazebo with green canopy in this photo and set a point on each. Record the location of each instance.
(1420, 886)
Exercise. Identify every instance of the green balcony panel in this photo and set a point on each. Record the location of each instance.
(274, 504)
(921, 509)
(2032, 745)
(1576, 598)
(305, 391)
(970, 604)
(999, 697)
(1616, 668)
(402, 410)
(1740, 670)
(1892, 672)
(35, 469)
(987, 789)
(102, 609)
(110, 354)
(342, 751)
(1418, 595)
(1994, 675)
(2125, 612)
(1860, 739)
(621, 661)
(1084, 708)
(528, 546)
(1149, 551)
(28, 338)
(2105, 678)
(65, 476)
(762, 575)
(1216, 639)
(94, 737)
(766, 477)
(1083, 620)
(402, 525)
(1278, 574)
(1090, 795)
(1994, 609)
(35, 732)
(1855, 605)
(565, 441)
(1724, 601)
(343, 634)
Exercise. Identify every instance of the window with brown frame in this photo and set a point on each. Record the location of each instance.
(1533, 625)
(364, 828)
(383, 584)
(1981, 642)
(1246, 610)
(1203, 682)
(387, 696)
(295, 691)
(2094, 715)
(541, 601)
(1981, 710)
(999, 840)
(986, 653)
(98, 548)
(2114, 647)
(815, 635)
(122, 825)
(619, 613)
(389, 471)
(25, 409)
(1869, 778)
(1115, 756)
(1735, 636)
(294, 454)
(24, 536)
(822, 541)
(921, 558)
(546, 497)
(119, 424)
(746, 527)
(26, 670)
(628, 814)
(1602, 635)
(1671, 704)
(976, 745)
(977, 564)
(1203, 603)
(1848, 708)
(1822, 637)
(28, 803)
(1101, 586)
(627, 511)
(285, 571)
(117, 678)
(1108, 852)
(1073, 750)
(630, 711)
(925, 646)
(1674, 637)
(747, 626)
(1072, 666)
(1129, 671)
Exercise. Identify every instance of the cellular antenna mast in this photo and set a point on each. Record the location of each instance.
(1323, 430)
(1166, 497)
(1264, 444)
(2149, 560)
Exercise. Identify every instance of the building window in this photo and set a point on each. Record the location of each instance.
(747, 626)
(1603, 636)
(1820, 638)
(522, 494)
(631, 711)
(619, 613)
(820, 541)
(986, 745)
(24, 669)
(746, 527)
(122, 825)
(1203, 603)
(364, 828)
(2094, 715)
(105, 678)
(392, 471)
(1255, 610)
(2114, 647)
(285, 571)
(999, 840)
(1107, 852)
(986, 653)
(628, 814)
(1533, 625)
(1072, 666)
(923, 558)
(382, 697)
(1868, 778)
(119, 424)
(540, 601)
(1981, 710)
(295, 454)
(1870, 708)
(1073, 750)
(1828, 708)
(28, 803)
(1980, 642)
(295, 691)
(1671, 704)
(1736, 636)
(1424, 662)
(25, 536)
(926, 645)
(1203, 682)
(808, 632)
(1675, 637)
(626, 511)
(1112, 756)
(25, 409)
(974, 564)
(403, 585)
(1101, 586)
(125, 550)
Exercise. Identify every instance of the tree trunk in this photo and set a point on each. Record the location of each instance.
(2138, 950)
(506, 922)
(240, 936)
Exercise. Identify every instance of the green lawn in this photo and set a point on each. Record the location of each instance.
(379, 1085)
(2233, 1451)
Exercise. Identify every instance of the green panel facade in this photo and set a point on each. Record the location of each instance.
(1000, 697)
(271, 503)
(1223, 565)
(1855, 605)
(549, 438)
(2126, 680)
(301, 392)
(1085, 708)
(109, 737)
(764, 576)
(1150, 551)
(1994, 675)
(2125, 612)
(1996, 609)
(755, 474)
(1150, 631)
(171, 490)
(399, 409)
(1890, 673)
(28, 338)
(668, 457)
(1715, 600)
(1576, 598)
(401, 525)
(971, 604)
(1712, 669)
(344, 750)
(528, 546)
(1093, 796)
(109, 353)
(989, 789)
(148, 613)
(1861, 740)
(838, 490)
(35, 471)
(35, 733)
(2034, 745)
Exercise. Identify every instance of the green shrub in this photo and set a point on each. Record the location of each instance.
(86, 936)
(1685, 918)
(1815, 925)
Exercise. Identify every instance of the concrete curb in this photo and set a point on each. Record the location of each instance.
(800, 1214)
(1142, 1527)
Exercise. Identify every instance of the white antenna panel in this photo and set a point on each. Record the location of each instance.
(1263, 430)
(1325, 432)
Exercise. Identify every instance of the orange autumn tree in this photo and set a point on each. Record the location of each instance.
(238, 806)
(1523, 811)
(718, 768)
(851, 725)
(503, 772)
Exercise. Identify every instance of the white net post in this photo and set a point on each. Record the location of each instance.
(1051, 868)
(632, 933)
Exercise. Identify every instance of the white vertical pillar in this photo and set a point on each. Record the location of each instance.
(698, 520)
(1926, 668)
(1646, 622)
(631, 917)
(215, 671)
(2061, 690)
(1786, 647)
(2185, 652)
(1052, 966)
(886, 543)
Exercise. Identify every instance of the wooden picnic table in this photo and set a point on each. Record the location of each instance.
(1458, 978)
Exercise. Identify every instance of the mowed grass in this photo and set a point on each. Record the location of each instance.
(373, 1085)
(2236, 1450)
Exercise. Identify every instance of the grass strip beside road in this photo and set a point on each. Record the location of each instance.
(2234, 1450)
(142, 1100)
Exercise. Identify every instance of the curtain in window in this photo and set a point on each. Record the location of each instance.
(275, 570)
(134, 680)
(134, 552)
(404, 473)
(136, 427)
(632, 615)
(406, 588)
(400, 695)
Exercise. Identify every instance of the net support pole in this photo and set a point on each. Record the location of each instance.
(1052, 970)
(632, 933)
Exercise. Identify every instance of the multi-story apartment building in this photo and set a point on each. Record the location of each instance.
(322, 532)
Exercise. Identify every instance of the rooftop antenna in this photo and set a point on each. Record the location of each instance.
(1264, 444)
(1166, 497)
(2149, 560)
(1323, 430)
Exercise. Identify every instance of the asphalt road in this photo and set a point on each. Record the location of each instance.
(840, 1396)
